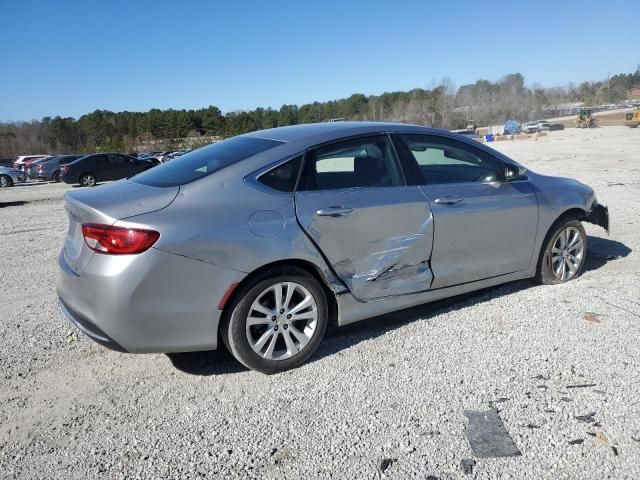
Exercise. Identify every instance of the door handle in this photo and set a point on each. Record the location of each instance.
(448, 200)
(334, 211)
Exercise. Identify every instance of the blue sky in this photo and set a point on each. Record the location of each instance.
(72, 57)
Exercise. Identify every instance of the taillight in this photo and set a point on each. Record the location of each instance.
(40, 167)
(64, 169)
(118, 240)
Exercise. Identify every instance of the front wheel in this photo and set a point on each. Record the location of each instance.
(564, 254)
(276, 322)
(88, 180)
(5, 181)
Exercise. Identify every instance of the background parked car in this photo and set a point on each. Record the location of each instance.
(49, 169)
(31, 169)
(543, 126)
(531, 127)
(556, 126)
(10, 176)
(24, 160)
(100, 167)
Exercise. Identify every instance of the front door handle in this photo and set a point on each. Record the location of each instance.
(448, 200)
(334, 211)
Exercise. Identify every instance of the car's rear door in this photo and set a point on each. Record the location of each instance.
(484, 226)
(375, 231)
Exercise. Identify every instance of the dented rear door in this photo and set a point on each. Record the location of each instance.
(378, 239)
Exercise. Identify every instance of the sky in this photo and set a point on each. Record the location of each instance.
(69, 57)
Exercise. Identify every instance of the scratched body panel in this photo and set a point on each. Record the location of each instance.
(381, 248)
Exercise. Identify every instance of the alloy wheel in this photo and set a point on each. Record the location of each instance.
(567, 253)
(282, 321)
(3, 181)
(88, 180)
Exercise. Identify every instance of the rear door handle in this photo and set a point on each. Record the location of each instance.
(448, 200)
(334, 211)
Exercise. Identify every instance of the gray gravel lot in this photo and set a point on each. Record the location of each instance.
(382, 399)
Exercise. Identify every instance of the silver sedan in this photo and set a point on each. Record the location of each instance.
(264, 238)
(10, 176)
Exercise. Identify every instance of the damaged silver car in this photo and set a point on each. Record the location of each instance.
(264, 238)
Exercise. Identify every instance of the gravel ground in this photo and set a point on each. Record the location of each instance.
(381, 399)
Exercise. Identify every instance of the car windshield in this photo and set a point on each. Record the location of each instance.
(204, 161)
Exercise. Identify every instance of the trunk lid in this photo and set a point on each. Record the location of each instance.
(105, 205)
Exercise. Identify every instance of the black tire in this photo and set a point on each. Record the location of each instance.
(233, 328)
(5, 181)
(56, 177)
(544, 272)
(88, 180)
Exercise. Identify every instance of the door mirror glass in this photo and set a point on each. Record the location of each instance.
(514, 172)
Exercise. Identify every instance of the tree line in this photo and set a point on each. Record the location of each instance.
(441, 106)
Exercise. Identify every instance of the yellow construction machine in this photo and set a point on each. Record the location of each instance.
(632, 119)
(585, 118)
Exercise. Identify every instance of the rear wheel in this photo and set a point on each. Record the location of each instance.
(56, 177)
(88, 180)
(564, 253)
(277, 320)
(5, 181)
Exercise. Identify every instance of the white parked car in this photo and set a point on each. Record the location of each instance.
(543, 126)
(531, 127)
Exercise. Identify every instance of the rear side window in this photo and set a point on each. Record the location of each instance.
(100, 160)
(283, 177)
(204, 161)
(361, 162)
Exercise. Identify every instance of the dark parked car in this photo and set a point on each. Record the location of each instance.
(50, 169)
(556, 126)
(99, 167)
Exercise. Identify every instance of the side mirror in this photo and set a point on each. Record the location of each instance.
(514, 172)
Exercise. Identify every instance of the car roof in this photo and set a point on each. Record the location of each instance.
(294, 133)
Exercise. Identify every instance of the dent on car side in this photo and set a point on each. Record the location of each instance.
(221, 228)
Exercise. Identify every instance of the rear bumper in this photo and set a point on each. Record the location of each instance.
(152, 302)
(88, 328)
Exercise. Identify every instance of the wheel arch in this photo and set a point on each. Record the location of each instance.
(309, 267)
(575, 212)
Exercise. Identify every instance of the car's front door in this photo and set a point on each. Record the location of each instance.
(484, 226)
(374, 230)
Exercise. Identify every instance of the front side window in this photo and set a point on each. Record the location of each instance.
(204, 161)
(361, 162)
(443, 160)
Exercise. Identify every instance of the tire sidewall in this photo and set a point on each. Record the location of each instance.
(234, 325)
(545, 274)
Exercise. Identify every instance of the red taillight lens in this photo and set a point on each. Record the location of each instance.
(64, 169)
(118, 240)
(40, 167)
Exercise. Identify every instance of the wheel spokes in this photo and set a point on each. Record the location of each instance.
(281, 321)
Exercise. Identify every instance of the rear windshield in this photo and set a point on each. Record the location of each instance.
(203, 161)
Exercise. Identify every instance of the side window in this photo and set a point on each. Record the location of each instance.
(118, 160)
(361, 162)
(442, 160)
(283, 177)
(101, 160)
